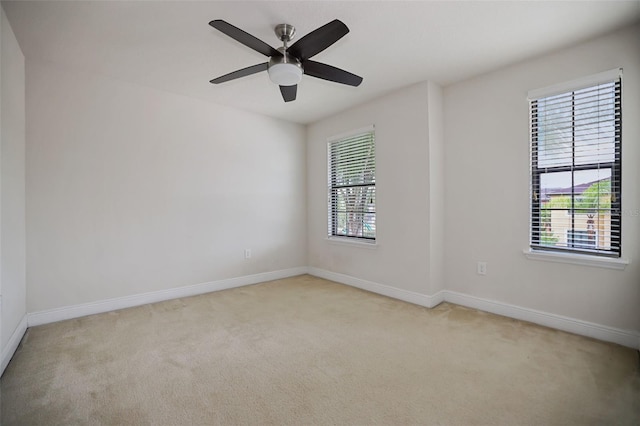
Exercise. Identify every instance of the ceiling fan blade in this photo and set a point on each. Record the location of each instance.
(241, 73)
(244, 38)
(327, 72)
(289, 93)
(318, 40)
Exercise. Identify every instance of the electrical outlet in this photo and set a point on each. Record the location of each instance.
(247, 253)
(482, 268)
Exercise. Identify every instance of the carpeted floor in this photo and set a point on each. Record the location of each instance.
(308, 351)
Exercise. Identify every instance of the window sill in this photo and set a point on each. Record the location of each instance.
(577, 259)
(343, 241)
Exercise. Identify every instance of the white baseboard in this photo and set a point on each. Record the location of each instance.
(12, 345)
(609, 334)
(76, 311)
(584, 328)
(385, 290)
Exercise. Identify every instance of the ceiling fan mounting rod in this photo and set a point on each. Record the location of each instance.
(285, 33)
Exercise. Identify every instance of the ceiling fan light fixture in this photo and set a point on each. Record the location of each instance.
(285, 73)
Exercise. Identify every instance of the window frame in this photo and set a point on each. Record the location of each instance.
(332, 232)
(536, 202)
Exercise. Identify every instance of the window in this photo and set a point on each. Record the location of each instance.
(576, 166)
(352, 186)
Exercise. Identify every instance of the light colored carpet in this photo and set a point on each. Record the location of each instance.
(308, 351)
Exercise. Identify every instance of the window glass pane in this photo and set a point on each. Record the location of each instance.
(554, 131)
(581, 239)
(595, 125)
(592, 190)
(576, 204)
(555, 220)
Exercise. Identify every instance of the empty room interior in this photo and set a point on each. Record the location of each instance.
(320, 212)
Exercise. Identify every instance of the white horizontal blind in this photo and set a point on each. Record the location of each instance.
(352, 186)
(576, 170)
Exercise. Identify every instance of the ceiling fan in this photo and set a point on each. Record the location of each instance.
(287, 64)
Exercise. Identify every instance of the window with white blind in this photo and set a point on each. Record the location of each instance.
(576, 132)
(352, 186)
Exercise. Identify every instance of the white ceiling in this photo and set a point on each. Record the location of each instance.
(170, 46)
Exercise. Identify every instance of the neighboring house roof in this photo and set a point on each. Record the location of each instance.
(547, 193)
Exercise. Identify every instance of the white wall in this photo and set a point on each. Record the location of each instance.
(402, 257)
(487, 177)
(133, 190)
(12, 192)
